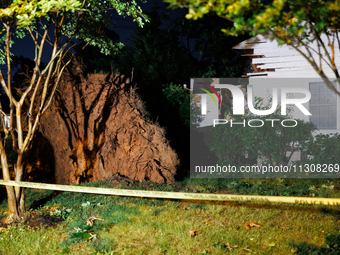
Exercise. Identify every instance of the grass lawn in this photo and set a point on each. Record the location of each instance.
(76, 223)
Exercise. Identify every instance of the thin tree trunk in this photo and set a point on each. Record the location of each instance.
(12, 202)
(19, 191)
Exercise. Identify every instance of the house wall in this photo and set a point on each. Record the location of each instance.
(262, 87)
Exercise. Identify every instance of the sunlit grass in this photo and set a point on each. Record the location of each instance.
(22, 240)
(128, 225)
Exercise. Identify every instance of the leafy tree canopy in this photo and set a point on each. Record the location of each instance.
(83, 20)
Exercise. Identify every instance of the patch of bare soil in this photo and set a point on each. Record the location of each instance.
(34, 220)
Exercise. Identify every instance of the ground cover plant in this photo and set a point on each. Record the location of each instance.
(98, 224)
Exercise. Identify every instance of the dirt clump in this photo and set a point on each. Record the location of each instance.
(97, 128)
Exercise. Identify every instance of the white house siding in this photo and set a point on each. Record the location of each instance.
(266, 54)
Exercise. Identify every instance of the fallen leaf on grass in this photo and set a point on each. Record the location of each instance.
(93, 237)
(272, 244)
(90, 221)
(323, 231)
(284, 227)
(251, 224)
(85, 204)
(192, 232)
(293, 250)
(231, 246)
(245, 250)
(207, 223)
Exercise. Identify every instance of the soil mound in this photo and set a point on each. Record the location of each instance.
(97, 129)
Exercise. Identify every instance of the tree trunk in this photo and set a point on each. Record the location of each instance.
(19, 191)
(12, 201)
(15, 195)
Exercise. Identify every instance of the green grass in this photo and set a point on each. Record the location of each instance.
(156, 226)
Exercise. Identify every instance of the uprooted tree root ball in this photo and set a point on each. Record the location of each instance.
(97, 128)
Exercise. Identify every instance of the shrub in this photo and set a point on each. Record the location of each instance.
(323, 149)
(272, 141)
(230, 143)
(181, 99)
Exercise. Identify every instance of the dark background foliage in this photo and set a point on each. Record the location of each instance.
(162, 57)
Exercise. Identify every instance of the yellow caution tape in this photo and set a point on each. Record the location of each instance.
(174, 195)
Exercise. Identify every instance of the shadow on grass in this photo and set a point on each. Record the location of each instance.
(36, 204)
(332, 247)
(267, 205)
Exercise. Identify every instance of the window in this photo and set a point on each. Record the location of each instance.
(323, 106)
